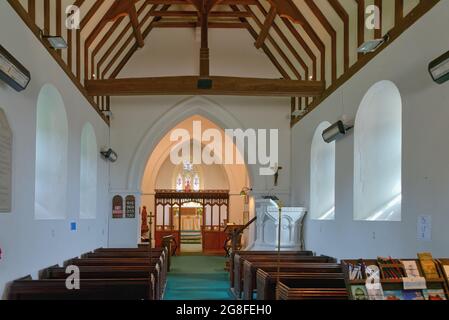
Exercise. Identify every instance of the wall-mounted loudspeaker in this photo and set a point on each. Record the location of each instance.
(12, 71)
(439, 69)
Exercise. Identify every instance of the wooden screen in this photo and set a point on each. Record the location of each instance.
(215, 209)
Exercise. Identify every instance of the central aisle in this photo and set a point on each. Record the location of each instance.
(197, 278)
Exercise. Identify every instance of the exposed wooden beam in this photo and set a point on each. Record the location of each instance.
(330, 30)
(287, 9)
(194, 14)
(266, 27)
(32, 9)
(134, 48)
(360, 24)
(287, 43)
(420, 10)
(344, 16)
(265, 48)
(18, 8)
(378, 32)
(59, 20)
(304, 45)
(188, 85)
(276, 46)
(92, 11)
(204, 50)
(398, 11)
(77, 3)
(47, 17)
(211, 25)
(186, 2)
(135, 23)
(118, 38)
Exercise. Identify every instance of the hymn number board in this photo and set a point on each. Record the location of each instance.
(130, 207)
(5, 163)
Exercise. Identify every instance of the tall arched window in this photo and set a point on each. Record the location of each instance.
(51, 155)
(88, 173)
(322, 176)
(378, 155)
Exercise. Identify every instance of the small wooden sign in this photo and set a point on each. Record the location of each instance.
(130, 207)
(117, 207)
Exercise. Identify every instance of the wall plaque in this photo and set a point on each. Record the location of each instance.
(130, 207)
(117, 207)
(5, 164)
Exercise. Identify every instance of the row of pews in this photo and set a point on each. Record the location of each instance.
(105, 274)
(301, 275)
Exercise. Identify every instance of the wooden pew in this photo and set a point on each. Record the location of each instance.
(160, 273)
(161, 254)
(109, 272)
(312, 289)
(91, 289)
(266, 279)
(316, 267)
(237, 255)
(316, 264)
(129, 249)
(238, 265)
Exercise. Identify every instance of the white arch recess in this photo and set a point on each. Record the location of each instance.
(88, 172)
(192, 106)
(322, 176)
(51, 155)
(378, 154)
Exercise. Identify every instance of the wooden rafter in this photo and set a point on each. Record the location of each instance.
(265, 48)
(378, 32)
(124, 46)
(287, 43)
(282, 49)
(93, 10)
(330, 30)
(287, 9)
(117, 40)
(269, 19)
(183, 2)
(344, 16)
(360, 23)
(315, 39)
(276, 46)
(134, 48)
(421, 9)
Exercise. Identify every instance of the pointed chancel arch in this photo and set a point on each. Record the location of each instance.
(51, 155)
(88, 173)
(322, 176)
(378, 155)
(192, 106)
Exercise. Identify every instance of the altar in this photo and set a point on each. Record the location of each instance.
(267, 227)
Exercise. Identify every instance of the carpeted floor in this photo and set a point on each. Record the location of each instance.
(197, 278)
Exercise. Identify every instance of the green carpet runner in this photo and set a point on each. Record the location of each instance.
(197, 278)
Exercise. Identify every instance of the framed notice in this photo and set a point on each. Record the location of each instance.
(5, 164)
(117, 207)
(130, 207)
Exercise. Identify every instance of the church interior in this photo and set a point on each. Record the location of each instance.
(224, 150)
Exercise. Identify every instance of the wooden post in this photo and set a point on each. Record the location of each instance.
(204, 51)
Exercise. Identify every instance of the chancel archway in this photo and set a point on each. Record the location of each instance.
(219, 181)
